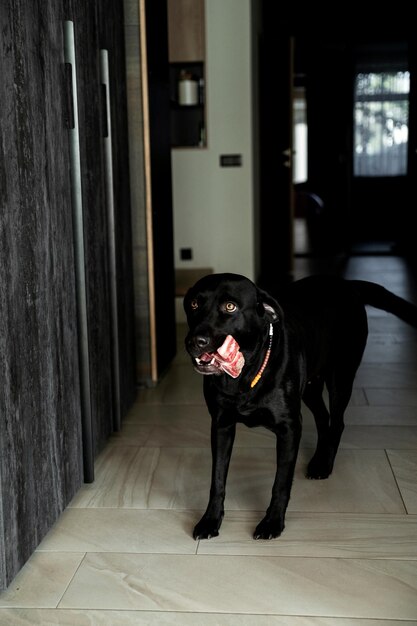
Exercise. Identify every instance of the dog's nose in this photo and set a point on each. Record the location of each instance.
(197, 344)
(201, 341)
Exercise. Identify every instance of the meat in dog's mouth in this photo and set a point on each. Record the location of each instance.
(205, 359)
(227, 358)
(206, 363)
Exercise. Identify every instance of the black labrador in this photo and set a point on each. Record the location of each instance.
(279, 353)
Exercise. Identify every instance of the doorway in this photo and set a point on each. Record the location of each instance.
(342, 210)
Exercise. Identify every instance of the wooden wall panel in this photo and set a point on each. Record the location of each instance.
(134, 86)
(40, 422)
(186, 29)
(162, 272)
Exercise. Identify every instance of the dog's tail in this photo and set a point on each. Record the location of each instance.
(381, 298)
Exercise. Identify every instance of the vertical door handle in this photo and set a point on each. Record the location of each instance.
(69, 113)
(79, 255)
(111, 230)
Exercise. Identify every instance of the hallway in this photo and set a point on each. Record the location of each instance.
(123, 552)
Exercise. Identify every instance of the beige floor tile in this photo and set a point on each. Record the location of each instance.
(381, 323)
(179, 478)
(175, 432)
(167, 414)
(122, 530)
(374, 427)
(319, 535)
(189, 426)
(187, 433)
(180, 385)
(387, 375)
(154, 478)
(124, 477)
(391, 397)
(73, 617)
(325, 587)
(404, 465)
(381, 415)
(361, 482)
(252, 473)
(369, 437)
(358, 397)
(42, 580)
(384, 348)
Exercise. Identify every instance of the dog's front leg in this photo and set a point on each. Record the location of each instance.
(222, 438)
(288, 440)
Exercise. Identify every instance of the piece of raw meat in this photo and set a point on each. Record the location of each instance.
(229, 358)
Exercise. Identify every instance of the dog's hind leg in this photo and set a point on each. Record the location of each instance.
(348, 349)
(330, 423)
(321, 464)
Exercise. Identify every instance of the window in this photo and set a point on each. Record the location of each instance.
(381, 123)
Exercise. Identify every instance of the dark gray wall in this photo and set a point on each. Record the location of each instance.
(41, 432)
(40, 421)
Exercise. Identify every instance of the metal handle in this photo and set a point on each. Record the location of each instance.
(111, 227)
(69, 90)
(79, 257)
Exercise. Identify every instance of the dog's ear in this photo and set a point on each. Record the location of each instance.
(268, 306)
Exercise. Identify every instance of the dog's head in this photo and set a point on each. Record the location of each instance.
(222, 305)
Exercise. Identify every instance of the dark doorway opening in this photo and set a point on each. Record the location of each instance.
(337, 209)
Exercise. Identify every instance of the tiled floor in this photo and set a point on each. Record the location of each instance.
(123, 552)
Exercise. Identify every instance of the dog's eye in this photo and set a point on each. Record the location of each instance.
(194, 305)
(229, 307)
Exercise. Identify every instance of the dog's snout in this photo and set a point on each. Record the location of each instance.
(201, 341)
(196, 344)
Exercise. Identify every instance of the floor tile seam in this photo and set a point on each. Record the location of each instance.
(197, 510)
(259, 512)
(312, 557)
(387, 450)
(403, 364)
(216, 556)
(355, 424)
(126, 444)
(176, 405)
(406, 424)
(386, 388)
(237, 444)
(71, 578)
(167, 404)
(288, 550)
(224, 551)
(214, 613)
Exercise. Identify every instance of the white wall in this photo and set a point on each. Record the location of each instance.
(213, 205)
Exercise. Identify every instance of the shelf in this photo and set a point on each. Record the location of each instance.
(185, 107)
(188, 122)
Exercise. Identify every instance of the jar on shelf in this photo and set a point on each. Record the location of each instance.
(187, 89)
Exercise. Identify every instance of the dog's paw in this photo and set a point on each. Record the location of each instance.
(319, 469)
(207, 528)
(268, 529)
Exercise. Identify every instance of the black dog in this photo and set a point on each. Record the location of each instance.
(316, 335)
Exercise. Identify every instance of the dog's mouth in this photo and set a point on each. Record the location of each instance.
(227, 359)
(207, 363)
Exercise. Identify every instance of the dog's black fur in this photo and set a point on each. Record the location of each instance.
(320, 331)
